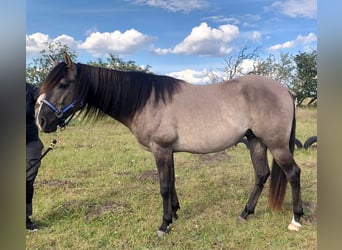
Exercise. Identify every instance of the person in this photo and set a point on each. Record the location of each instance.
(34, 148)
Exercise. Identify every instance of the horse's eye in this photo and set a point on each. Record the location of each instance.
(63, 85)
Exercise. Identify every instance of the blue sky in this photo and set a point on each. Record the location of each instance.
(182, 38)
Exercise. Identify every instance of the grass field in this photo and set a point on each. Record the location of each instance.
(99, 190)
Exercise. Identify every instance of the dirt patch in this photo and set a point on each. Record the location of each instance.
(101, 209)
(83, 173)
(123, 173)
(56, 183)
(151, 175)
(215, 157)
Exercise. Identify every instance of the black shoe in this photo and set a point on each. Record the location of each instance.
(30, 225)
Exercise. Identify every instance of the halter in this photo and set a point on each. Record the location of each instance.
(63, 121)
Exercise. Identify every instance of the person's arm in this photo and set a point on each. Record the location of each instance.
(34, 91)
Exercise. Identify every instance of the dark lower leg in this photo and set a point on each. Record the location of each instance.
(260, 164)
(167, 209)
(292, 172)
(174, 199)
(174, 204)
(254, 196)
(164, 161)
(294, 180)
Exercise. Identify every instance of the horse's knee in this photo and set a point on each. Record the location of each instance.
(165, 191)
(294, 175)
(289, 166)
(260, 179)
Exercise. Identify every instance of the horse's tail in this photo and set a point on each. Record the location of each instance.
(278, 181)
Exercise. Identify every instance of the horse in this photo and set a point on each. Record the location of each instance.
(168, 115)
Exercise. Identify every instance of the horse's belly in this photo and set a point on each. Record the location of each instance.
(207, 141)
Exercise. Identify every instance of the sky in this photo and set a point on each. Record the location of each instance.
(185, 39)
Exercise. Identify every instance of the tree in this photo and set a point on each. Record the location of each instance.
(298, 73)
(234, 63)
(305, 82)
(37, 70)
(280, 69)
(233, 66)
(115, 62)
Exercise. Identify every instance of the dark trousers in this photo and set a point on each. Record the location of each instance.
(33, 153)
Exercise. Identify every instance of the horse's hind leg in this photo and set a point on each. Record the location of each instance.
(262, 172)
(284, 160)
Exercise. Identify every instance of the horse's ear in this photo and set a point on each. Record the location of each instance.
(68, 61)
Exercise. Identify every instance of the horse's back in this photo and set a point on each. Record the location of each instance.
(255, 86)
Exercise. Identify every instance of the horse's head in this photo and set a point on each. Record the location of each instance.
(59, 97)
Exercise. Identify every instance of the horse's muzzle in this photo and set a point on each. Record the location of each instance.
(45, 124)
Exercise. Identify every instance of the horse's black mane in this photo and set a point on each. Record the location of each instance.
(113, 92)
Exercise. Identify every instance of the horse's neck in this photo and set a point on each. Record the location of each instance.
(102, 99)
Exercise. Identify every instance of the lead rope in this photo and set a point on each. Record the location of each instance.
(54, 141)
(51, 147)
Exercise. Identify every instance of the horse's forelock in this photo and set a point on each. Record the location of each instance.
(53, 77)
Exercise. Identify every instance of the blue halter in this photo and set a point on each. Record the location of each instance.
(60, 112)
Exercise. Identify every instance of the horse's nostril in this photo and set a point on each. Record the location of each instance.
(42, 122)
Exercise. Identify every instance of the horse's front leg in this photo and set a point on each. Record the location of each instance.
(164, 161)
(174, 199)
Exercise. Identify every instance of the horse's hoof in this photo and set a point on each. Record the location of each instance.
(160, 233)
(294, 226)
(242, 220)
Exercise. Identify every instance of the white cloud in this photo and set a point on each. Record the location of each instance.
(128, 42)
(222, 19)
(247, 66)
(36, 43)
(296, 8)
(206, 76)
(116, 42)
(159, 51)
(300, 40)
(175, 5)
(311, 37)
(67, 40)
(206, 41)
(192, 76)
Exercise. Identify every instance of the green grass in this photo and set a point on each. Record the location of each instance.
(98, 190)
